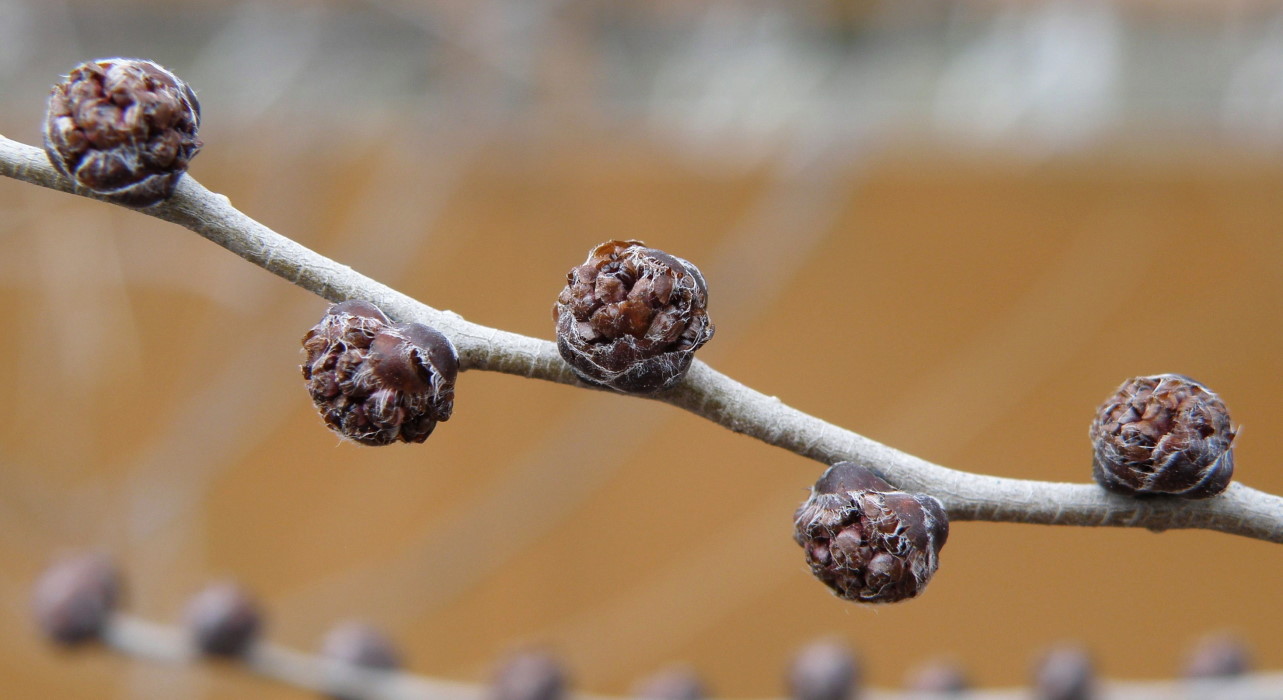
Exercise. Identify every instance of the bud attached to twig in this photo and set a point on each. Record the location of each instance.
(632, 317)
(224, 620)
(823, 670)
(1164, 434)
(529, 675)
(375, 381)
(75, 597)
(1065, 673)
(123, 128)
(356, 646)
(867, 540)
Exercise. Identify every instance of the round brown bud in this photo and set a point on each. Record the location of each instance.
(1065, 673)
(529, 675)
(868, 541)
(75, 597)
(356, 645)
(632, 317)
(823, 670)
(1165, 434)
(938, 678)
(1220, 656)
(672, 684)
(123, 128)
(375, 381)
(223, 620)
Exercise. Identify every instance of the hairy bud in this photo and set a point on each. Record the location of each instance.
(823, 670)
(375, 381)
(868, 541)
(632, 317)
(74, 598)
(123, 128)
(224, 620)
(671, 684)
(1165, 434)
(1065, 673)
(529, 675)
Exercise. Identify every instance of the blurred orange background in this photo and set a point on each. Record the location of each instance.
(961, 257)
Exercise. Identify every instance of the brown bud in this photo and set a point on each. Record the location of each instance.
(632, 317)
(868, 541)
(74, 598)
(823, 670)
(938, 678)
(672, 684)
(124, 128)
(1220, 656)
(1165, 434)
(356, 645)
(1065, 673)
(529, 675)
(375, 381)
(224, 620)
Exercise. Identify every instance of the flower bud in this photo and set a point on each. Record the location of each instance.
(529, 675)
(1065, 673)
(1165, 434)
(375, 381)
(75, 597)
(224, 620)
(123, 128)
(868, 541)
(632, 317)
(823, 670)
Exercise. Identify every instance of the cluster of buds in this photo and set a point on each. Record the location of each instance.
(632, 317)
(375, 381)
(867, 540)
(123, 128)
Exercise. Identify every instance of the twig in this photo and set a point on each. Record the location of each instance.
(143, 639)
(1240, 510)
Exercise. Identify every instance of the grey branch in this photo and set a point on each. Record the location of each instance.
(143, 639)
(705, 392)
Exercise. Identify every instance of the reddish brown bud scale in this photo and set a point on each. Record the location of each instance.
(123, 128)
(631, 318)
(1163, 434)
(224, 620)
(377, 382)
(866, 540)
(75, 597)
